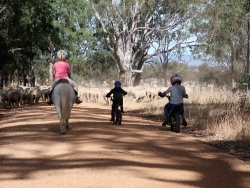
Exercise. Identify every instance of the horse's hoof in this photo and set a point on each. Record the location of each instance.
(67, 127)
(63, 132)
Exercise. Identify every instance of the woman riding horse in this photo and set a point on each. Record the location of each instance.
(64, 98)
(61, 69)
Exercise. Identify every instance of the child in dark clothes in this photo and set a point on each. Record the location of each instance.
(118, 94)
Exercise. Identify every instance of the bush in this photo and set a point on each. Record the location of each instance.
(244, 82)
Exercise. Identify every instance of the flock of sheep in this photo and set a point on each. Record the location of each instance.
(19, 95)
(98, 95)
(15, 97)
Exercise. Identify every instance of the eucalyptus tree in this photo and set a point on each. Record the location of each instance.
(171, 48)
(73, 20)
(224, 30)
(132, 25)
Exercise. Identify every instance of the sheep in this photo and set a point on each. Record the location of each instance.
(106, 99)
(3, 96)
(15, 97)
(45, 95)
(34, 95)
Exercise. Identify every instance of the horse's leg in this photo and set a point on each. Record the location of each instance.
(69, 112)
(62, 127)
(67, 124)
(62, 121)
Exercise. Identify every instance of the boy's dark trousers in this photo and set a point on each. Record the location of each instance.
(113, 108)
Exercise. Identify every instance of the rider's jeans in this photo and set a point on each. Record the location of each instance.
(71, 82)
(168, 107)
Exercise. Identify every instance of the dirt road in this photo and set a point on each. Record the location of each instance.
(97, 154)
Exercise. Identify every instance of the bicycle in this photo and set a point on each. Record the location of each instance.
(118, 115)
(176, 119)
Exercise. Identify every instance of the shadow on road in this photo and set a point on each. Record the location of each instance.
(30, 142)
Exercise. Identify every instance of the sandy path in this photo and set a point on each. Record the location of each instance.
(97, 154)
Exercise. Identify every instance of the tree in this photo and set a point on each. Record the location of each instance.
(224, 25)
(131, 26)
(26, 27)
(73, 22)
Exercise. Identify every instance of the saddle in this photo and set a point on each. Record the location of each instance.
(62, 80)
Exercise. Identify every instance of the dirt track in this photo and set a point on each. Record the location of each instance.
(97, 154)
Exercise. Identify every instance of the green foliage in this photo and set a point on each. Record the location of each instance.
(26, 27)
(221, 32)
(41, 72)
(101, 66)
(244, 81)
(73, 22)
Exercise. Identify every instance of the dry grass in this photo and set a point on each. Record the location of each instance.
(222, 118)
(217, 114)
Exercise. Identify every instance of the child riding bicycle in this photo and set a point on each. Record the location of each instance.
(118, 94)
(177, 93)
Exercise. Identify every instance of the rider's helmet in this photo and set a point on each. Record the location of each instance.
(61, 55)
(117, 83)
(175, 78)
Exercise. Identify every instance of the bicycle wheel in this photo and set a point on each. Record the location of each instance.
(115, 117)
(119, 117)
(177, 122)
(172, 124)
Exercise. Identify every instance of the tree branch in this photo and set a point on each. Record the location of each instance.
(2, 9)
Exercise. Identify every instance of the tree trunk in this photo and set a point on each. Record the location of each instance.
(32, 81)
(165, 77)
(128, 78)
(50, 63)
(1, 82)
(50, 73)
(25, 80)
(248, 41)
(232, 63)
(137, 79)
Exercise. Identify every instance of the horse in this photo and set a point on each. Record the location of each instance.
(63, 97)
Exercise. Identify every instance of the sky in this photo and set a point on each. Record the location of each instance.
(187, 59)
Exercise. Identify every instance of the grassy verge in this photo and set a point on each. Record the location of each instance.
(221, 117)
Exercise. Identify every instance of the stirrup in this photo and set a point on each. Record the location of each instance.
(50, 102)
(78, 101)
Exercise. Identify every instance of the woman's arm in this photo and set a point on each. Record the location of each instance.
(69, 73)
(54, 72)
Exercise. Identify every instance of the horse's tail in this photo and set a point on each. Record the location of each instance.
(64, 104)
